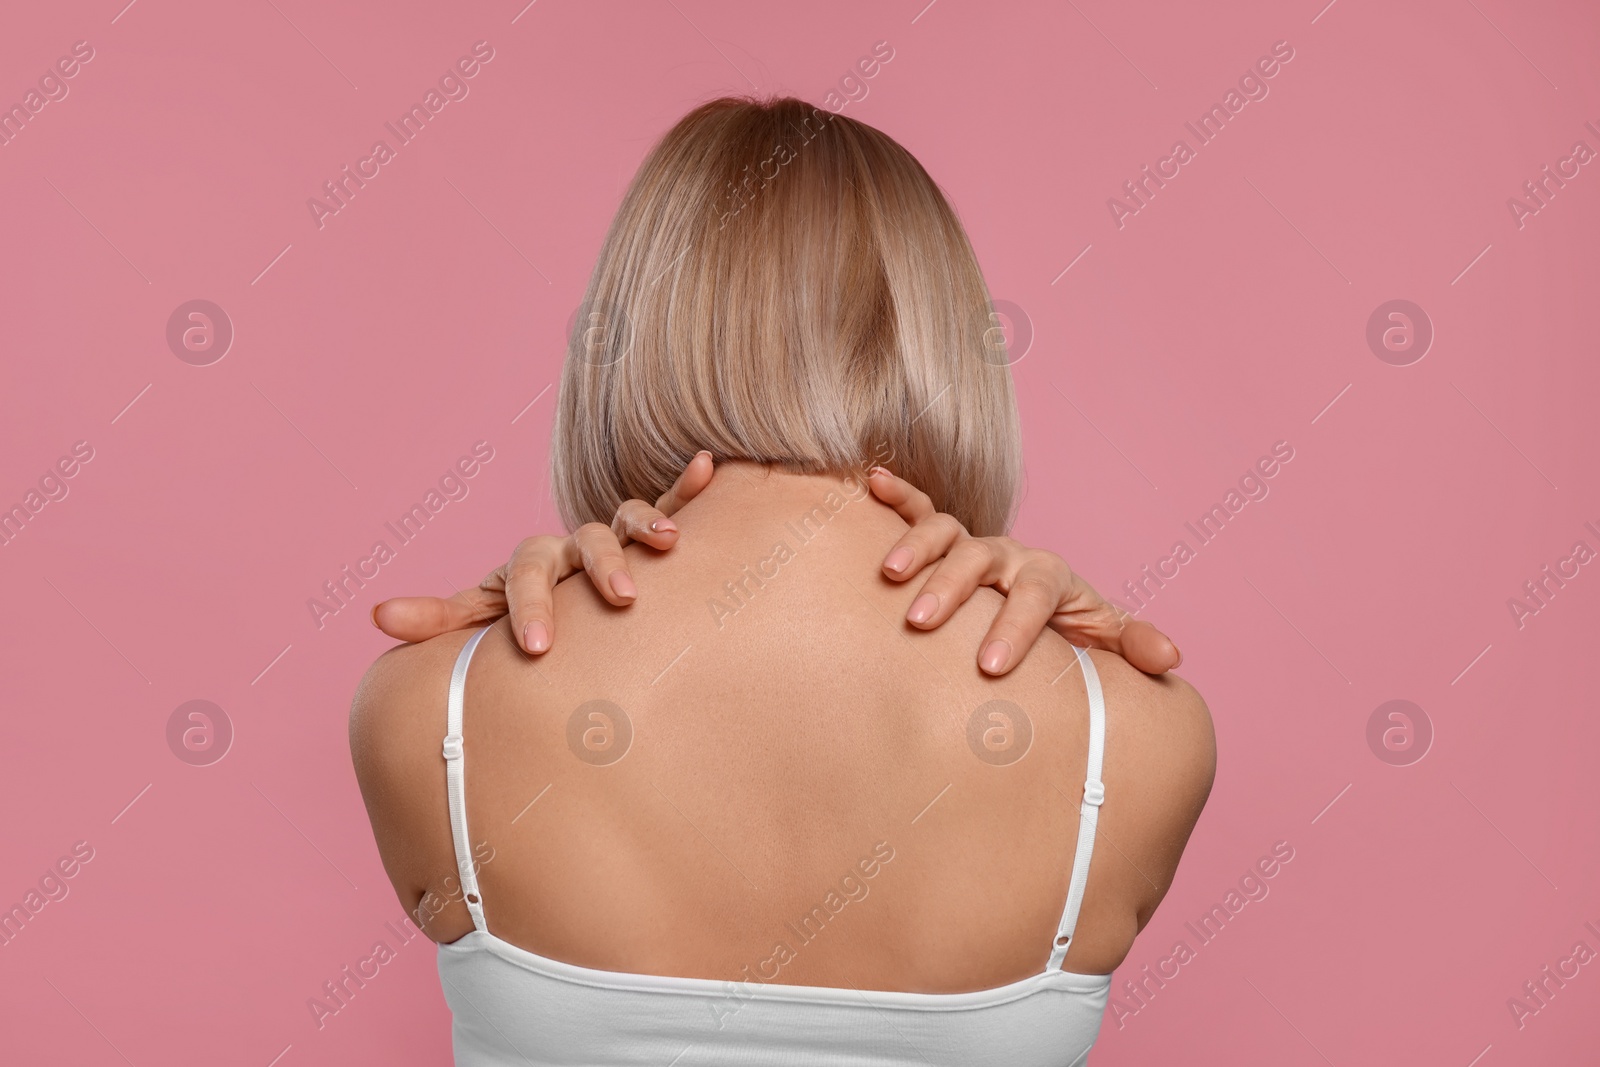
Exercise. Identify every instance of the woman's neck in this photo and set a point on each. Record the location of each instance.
(753, 502)
(756, 483)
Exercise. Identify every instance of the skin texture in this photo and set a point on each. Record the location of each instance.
(1041, 589)
(778, 748)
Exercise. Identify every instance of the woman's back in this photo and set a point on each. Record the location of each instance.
(758, 773)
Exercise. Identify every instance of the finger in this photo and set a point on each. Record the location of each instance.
(418, 618)
(529, 579)
(970, 563)
(637, 521)
(1136, 641)
(1149, 649)
(695, 477)
(1086, 617)
(601, 554)
(911, 503)
(925, 542)
(1031, 602)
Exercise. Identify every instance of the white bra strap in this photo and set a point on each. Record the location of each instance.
(1094, 794)
(455, 776)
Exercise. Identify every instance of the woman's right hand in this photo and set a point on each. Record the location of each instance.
(1040, 589)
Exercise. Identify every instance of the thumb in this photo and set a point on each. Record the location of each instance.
(418, 618)
(695, 477)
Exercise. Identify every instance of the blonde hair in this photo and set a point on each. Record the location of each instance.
(787, 286)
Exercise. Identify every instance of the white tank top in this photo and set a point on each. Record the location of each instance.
(520, 1009)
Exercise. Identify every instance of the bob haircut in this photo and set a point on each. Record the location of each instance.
(786, 286)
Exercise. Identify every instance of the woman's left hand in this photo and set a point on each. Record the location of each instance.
(1040, 588)
(524, 586)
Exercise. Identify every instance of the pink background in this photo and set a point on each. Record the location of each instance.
(428, 314)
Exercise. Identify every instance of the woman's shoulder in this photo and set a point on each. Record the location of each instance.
(1165, 722)
(402, 697)
(1159, 735)
(1158, 712)
(1160, 763)
(397, 728)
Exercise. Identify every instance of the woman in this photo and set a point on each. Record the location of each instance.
(1048, 592)
(756, 818)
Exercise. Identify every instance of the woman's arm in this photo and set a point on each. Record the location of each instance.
(1041, 590)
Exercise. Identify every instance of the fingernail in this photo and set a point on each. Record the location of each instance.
(898, 560)
(878, 470)
(1179, 651)
(535, 638)
(996, 655)
(704, 452)
(622, 585)
(664, 526)
(375, 608)
(923, 607)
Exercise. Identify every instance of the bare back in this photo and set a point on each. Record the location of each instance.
(759, 770)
